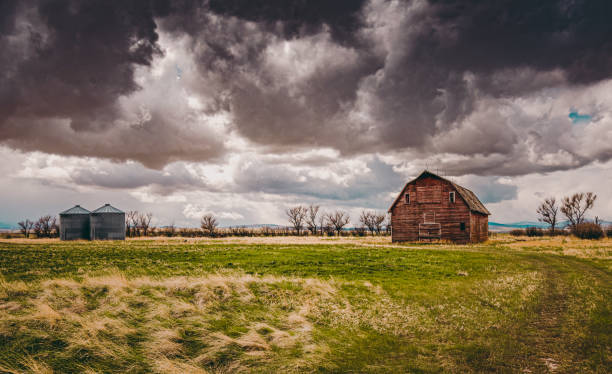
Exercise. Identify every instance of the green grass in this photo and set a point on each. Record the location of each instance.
(174, 306)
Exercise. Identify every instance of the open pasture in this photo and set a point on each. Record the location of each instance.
(305, 305)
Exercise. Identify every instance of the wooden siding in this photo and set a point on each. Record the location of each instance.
(429, 194)
(429, 197)
(480, 227)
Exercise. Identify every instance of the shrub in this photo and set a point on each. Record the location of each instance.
(359, 231)
(534, 231)
(588, 230)
(557, 232)
(517, 232)
(609, 232)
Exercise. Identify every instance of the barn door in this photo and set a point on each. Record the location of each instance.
(429, 229)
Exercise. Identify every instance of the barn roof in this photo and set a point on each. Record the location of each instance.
(77, 209)
(107, 208)
(468, 196)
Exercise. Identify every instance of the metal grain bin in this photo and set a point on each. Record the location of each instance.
(107, 223)
(74, 223)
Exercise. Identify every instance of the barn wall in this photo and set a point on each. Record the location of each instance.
(483, 223)
(108, 226)
(474, 228)
(74, 226)
(405, 218)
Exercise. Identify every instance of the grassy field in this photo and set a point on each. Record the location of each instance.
(305, 305)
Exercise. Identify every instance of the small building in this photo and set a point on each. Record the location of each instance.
(74, 223)
(107, 223)
(433, 208)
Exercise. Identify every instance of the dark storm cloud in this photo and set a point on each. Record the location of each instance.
(83, 57)
(298, 17)
(488, 36)
(441, 58)
(450, 52)
(355, 76)
(67, 64)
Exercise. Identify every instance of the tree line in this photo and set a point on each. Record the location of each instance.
(307, 220)
(302, 219)
(314, 220)
(138, 224)
(574, 209)
(45, 227)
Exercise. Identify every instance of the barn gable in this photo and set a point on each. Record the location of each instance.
(468, 196)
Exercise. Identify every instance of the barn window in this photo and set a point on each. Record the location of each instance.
(451, 196)
(407, 198)
(462, 226)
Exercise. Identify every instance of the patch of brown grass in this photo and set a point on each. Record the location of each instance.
(565, 245)
(274, 314)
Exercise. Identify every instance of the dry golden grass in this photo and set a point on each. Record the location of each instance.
(289, 307)
(168, 366)
(565, 245)
(360, 304)
(274, 240)
(33, 366)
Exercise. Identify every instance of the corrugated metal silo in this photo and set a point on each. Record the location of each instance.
(107, 223)
(74, 223)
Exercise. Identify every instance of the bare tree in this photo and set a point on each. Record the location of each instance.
(322, 222)
(379, 221)
(171, 229)
(548, 212)
(55, 230)
(25, 227)
(209, 224)
(574, 207)
(297, 216)
(129, 219)
(311, 219)
(131, 222)
(338, 220)
(144, 221)
(366, 219)
(45, 227)
(37, 229)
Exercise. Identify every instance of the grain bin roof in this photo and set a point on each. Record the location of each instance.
(468, 196)
(107, 208)
(77, 209)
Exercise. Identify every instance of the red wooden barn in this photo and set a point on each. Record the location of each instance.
(433, 208)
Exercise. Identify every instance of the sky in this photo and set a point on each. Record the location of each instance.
(243, 108)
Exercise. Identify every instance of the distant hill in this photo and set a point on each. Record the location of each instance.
(5, 226)
(502, 227)
(256, 226)
(495, 226)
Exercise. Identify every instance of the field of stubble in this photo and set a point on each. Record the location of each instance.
(305, 305)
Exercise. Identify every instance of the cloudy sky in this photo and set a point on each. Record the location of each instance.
(243, 108)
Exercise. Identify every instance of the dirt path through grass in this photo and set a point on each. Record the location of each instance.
(554, 342)
(544, 330)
